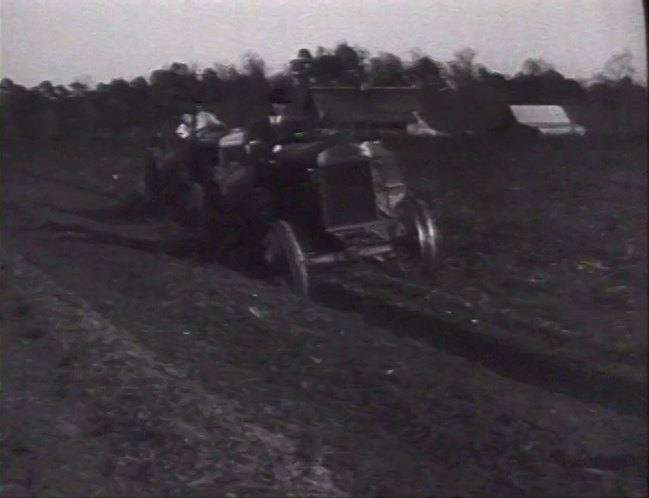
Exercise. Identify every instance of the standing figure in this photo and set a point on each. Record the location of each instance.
(178, 172)
(201, 132)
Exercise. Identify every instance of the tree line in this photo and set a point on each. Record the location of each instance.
(241, 95)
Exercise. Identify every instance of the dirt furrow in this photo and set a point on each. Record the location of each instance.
(132, 387)
(448, 326)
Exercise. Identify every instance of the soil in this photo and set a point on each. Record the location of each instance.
(134, 367)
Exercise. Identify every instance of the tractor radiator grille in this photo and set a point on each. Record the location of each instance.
(347, 192)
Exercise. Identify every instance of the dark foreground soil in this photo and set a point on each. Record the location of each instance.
(132, 367)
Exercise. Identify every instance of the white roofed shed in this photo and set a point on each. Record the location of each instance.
(549, 119)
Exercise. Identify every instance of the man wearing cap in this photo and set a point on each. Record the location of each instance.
(202, 125)
(178, 167)
(201, 132)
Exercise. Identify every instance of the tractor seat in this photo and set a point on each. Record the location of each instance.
(300, 154)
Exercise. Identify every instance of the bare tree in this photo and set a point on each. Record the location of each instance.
(618, 67)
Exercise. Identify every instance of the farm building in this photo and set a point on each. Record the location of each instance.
(408, 109)
(381, 107)
(548, 119)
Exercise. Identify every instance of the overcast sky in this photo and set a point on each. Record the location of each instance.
(61, 40)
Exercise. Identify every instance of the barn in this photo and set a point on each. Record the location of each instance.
(375, 107)
(548, 119)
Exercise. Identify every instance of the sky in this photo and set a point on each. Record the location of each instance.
(63, 40)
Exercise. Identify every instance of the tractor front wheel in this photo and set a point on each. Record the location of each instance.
(285, 258)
